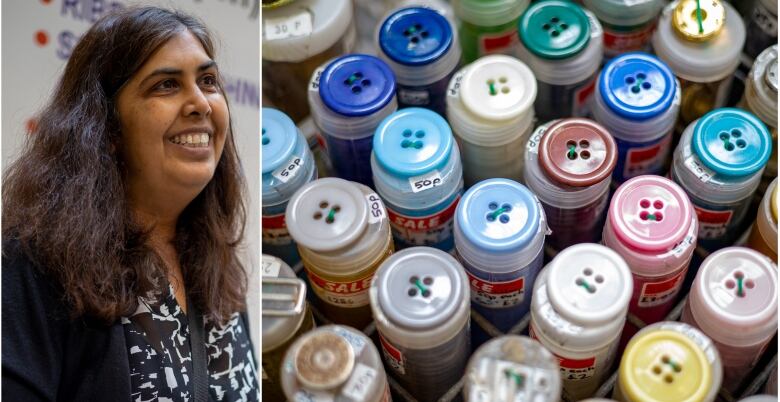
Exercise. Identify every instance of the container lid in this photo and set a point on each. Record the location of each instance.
(499, 215)
(554, 29)
(698, 21)
(770, 75)
(305, 28)
(738, 294)
(624, 13)
(413, 141)
(498, 87)
(489, 13)
(415, 36)
(420, 287)
(284, 296)
(732, 142)
(650, 213)
(637, 86)
(589, 284)
(577, 152)
(357, 85)
(323, 360)
(327, 214)
(665, 365)
(774, 204)
(279, 139)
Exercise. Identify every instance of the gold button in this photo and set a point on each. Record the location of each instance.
(698, 20)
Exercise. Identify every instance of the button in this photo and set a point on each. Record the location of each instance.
(413, 141)
(420, 287)
(698, 21)
(327, 214)
(415, 36)
(741, 284)
(589, 284)
(554, 29)
(357, 85)
(732, 142)
(498, 87)
(651, 213)
(499, 215)
(279, 137)
(577, 152)
(664, 365)
(323, 361)
(770, 75)
(637, 86)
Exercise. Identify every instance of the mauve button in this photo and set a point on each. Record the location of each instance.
(577, 152)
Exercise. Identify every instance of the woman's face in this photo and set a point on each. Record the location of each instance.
(174, 122)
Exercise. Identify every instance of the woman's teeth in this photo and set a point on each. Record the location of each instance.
(191, 140)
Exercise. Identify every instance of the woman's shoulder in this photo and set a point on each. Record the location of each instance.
(24, 278)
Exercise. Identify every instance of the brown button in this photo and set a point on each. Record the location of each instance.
(577, 152)
(324, 361)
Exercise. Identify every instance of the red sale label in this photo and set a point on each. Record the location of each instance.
(712, 224)
(275, 230)
(393, 356)
(572, 369)
(657, 293)
(343, 294)
(496, 294)
(504, 43)
(581, 98)
(616, 42)
(640, 160)
(424, 230)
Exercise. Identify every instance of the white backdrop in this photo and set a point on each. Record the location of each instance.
(38, 36)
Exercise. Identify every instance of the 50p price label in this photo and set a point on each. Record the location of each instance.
(289, 169)
(425, 182)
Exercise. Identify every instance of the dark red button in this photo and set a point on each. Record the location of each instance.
(577, 152)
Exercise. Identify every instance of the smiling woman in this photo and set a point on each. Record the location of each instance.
(121, 222)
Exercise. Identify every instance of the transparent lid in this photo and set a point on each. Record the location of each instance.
(283, 298)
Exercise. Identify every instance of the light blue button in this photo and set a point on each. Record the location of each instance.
(413, 141)
(732, 142)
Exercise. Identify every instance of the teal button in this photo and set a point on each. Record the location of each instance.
(732, 142)
(554, 29)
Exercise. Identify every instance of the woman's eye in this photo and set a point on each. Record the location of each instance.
(209, 80)
(166, 85)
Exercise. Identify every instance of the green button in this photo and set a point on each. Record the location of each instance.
(554, 29)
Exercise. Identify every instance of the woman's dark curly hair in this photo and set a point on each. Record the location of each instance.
(64, 198)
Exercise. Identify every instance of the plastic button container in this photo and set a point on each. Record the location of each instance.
(349, 97)
(637, 99)
(499, 237)
(343, 235)
(763, 237)
(568, 165)
(334, 363)
(669, 361)
(488, 27)
(733, 300)
(628, 24)
(286, 316)
(297, 38)
(287, 165)
(418, 174)
(512, 368)
(562, 44)
(489, 106)
(652, 225)
(421, 48)
(578, 310)
(719, 162)
(420, 302)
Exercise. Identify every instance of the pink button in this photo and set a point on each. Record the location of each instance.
(650, 213)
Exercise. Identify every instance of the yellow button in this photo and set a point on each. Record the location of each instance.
(774, 204)
(698, 20)
(664, 366)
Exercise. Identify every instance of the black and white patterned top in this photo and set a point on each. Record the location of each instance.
(158, 345)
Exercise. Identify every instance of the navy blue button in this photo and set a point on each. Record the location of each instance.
(637, 86)
(357, 85)
(415, 36)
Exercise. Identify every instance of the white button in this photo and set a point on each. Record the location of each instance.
(498, 87)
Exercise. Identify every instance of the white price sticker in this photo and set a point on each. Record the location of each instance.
(355, 340)
(313, 396)
(376, 210)
(289, 169)
(702, 172)
(425, 182)
(360, 382)
(288, 26)
(455, 82)
(536, 137)
(271, 268)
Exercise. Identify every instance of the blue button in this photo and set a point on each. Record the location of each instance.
(732, 142)
(279, 139)
(498, 215)
(637, 86)
(415, 36)
(413, 141)
(357, 85)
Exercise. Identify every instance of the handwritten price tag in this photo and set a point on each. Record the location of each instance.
(271, 268)
(288, 27)
(425, 182)
(289, 169)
